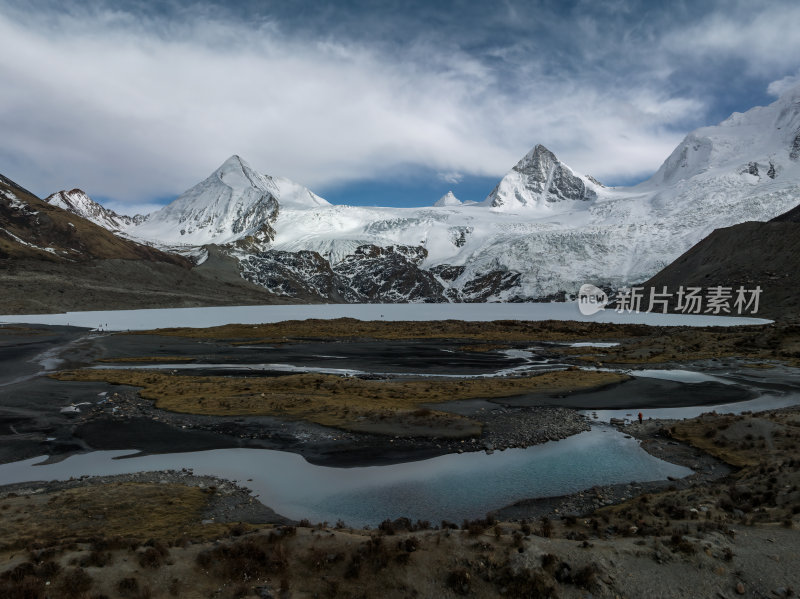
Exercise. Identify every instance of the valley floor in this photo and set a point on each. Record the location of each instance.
(727, 530)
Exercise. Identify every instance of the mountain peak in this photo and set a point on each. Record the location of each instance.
(236, 173)
(235, 204)
(234, 161)
(536, 160)
(55, 230)
(69, 199)
(539, 180)
(790, 95)
(536, 151)
(448, 199)
(78, 202)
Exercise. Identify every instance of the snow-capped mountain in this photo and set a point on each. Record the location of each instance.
(234, 204)
(77, 202)
(542, 232)
(448, 199)
(537, 182)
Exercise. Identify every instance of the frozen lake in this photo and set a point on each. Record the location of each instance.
(452, 487)
(120, 320)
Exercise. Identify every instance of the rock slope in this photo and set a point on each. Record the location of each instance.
(746, 255)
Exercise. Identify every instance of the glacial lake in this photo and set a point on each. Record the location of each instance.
(451, 487)
(116, 320)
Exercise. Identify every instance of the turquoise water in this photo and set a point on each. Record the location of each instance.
(452, 487)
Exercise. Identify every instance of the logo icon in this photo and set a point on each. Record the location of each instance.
(591, 299)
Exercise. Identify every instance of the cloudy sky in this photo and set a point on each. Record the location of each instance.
(387, 103)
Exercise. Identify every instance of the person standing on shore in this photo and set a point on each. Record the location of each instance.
(640, 417)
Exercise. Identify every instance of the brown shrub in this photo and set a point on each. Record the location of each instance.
(459, 580)
(151, 558)
(74, 583)
(27, 587)
(586, 577)
(245, 559)
(129, 588)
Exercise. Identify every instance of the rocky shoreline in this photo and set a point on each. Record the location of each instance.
(655, 441)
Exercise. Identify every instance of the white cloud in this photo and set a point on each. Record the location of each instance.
(453, 177)
(134, 110)
(130, 114)
(763, 35)
(779, 86)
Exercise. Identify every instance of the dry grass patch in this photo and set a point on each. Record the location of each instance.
(499, 330)
(389, 407)
(757, 343)
(764, 490)
(741, 440)
(484, 347)
(706, 436)
(127, 510)
(638, 344)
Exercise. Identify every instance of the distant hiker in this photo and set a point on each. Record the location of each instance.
(640, 417)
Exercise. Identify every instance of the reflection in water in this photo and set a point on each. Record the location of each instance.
(453, 487)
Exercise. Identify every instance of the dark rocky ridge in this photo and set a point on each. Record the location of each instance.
(794, 151)
(33, 228)
(749, 254)
(304, 275)
(371, 274)
(793, 216)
